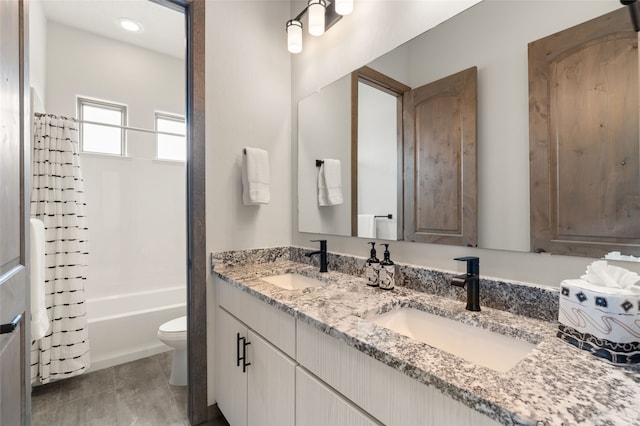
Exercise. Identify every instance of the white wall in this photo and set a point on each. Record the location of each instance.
(376, 27)
(136, 206)
(378, 158)
(37, 54)
(326, 134)
(248, 103)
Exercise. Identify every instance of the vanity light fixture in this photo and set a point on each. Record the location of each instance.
(294, 36)
(322, 15)
(317, 8)
(344, 7)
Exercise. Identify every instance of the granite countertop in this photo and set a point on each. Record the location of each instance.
(555, 384)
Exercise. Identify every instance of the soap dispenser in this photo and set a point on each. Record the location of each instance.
(387, 270)
(372, 268)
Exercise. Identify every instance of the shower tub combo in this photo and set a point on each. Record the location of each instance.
(124, 327)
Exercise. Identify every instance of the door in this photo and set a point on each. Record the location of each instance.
(271, 387)
(231, 383)
(14, 337)
(440, 161)
(583, 138)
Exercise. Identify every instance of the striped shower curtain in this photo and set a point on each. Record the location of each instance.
(58, 199)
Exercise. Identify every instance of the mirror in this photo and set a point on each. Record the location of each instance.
(492, 35)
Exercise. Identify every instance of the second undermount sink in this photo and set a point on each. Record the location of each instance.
(293, 281)
(479, 346)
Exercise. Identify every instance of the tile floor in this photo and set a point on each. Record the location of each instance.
(136, 393)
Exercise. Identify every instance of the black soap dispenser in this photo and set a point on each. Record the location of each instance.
(372, 268)
(387, 276)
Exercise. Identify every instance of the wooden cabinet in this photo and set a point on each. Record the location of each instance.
(388, 395)
(584, 139)
(318, 405)
(328, 383)
(254, 378)
(440, 182)
(271, 387)
(231, 380)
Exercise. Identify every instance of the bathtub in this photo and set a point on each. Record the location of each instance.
(124, 327)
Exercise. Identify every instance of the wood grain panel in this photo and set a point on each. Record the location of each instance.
(271, 388)
(584, 139)
(15, 406)
(274, 325)
(440, 194)
(10, 145)
(318, 405)
(388, 395)
(232, 382)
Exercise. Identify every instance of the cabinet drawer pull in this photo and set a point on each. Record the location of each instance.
(242, 358)
(238, 357)
(10, 326)
(245, 364)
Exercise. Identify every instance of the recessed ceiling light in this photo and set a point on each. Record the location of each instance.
(130, 25)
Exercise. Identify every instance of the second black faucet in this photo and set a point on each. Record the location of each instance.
(322, 252)
(471, 280)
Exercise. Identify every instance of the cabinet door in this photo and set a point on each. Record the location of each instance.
(271, 389)
(318, 405)
(440, 195)
(231, 382)
(583, 137)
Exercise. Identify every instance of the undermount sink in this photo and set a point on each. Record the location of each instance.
(293, 281)
(479, 346)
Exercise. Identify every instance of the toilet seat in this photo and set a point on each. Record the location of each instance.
(174, 332)
(174, 326)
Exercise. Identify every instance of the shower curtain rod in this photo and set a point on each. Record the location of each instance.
(137, 129)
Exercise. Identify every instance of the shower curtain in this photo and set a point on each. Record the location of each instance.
(58, 199)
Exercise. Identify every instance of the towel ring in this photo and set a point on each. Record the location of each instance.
(319, 163)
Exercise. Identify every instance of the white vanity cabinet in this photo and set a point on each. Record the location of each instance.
(297, 375)
(388, 395)
(319, 405)
(255, 380)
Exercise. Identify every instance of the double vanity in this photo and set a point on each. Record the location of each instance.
(296, 346)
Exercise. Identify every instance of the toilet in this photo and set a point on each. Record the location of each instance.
(174, 333)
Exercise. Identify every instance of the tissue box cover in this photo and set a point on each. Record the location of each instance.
(606, 325)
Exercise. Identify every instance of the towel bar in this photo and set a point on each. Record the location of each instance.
(388, 216)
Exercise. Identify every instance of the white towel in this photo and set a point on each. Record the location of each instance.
(329, 183)
(39, 319)
(386, 229)
(255, 176)
(366, 226)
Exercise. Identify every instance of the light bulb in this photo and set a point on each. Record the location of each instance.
(344, 7)
(294, 36)
(316, 17)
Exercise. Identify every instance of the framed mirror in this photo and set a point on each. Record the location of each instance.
(494, 36)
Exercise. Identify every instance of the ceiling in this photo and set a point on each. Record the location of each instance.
(163, 28)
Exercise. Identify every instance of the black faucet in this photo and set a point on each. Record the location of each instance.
(472, 280)
(322, 252)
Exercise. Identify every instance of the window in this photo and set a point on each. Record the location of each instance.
(98, 138)
(171, 146)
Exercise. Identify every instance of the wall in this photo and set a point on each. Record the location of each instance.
(378, 158)
(327, 125)
(136, 205)
(502, 161)
(37, 54)
(248, 103)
